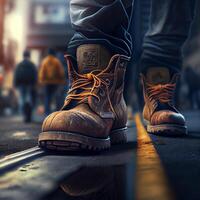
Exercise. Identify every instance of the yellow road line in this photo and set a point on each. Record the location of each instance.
(151, 181)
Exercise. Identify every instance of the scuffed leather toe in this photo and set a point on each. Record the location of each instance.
(77, 121)
(167, 117)
(47, 122)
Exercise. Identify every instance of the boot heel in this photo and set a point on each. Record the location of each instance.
(119, 136)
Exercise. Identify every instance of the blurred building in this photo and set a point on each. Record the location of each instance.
(48, 25)
(37, 25)
(33, 24)
(2, 15)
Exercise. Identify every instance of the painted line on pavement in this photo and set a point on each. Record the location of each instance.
(151, 181)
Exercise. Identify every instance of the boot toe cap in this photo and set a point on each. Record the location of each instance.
(75, 122)
(167, 117)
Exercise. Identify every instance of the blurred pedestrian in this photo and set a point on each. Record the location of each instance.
(25, 80)
(51, 75)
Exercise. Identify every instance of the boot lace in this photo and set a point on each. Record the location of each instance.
(83, 84)
(162, 93)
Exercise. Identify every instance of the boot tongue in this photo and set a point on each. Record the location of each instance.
(158, 75)
(92, 57)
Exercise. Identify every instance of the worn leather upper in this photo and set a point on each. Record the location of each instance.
(159, 103)
(94, 105)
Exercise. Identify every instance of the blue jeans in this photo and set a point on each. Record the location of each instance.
(101, 21)
(27, 95)
(50, 91)
(107, 22)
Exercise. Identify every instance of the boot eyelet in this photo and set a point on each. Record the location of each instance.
(102, 93)
(96, 101)
(108, 82)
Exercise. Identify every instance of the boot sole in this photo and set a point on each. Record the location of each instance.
(167, 130)
(66, 141)
(119, 136)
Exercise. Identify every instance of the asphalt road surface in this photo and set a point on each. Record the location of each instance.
(17, 136)
(156, 168)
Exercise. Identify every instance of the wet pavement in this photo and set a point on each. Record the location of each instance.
(112, 182)
(38, 175)
(17, 136)
(148, 167)
(181, 161)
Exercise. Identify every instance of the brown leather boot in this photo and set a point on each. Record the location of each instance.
(94, 112)
(159, 110)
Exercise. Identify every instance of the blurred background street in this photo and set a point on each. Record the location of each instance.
(16, 135)
(35, 29)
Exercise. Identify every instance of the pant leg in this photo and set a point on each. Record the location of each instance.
(22, 97)
(47, 99)
(103, 22)
(169, 27)
(49, 95)
(29, 95)
(33, 94)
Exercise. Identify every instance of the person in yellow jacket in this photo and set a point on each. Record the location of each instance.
(51, 75)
